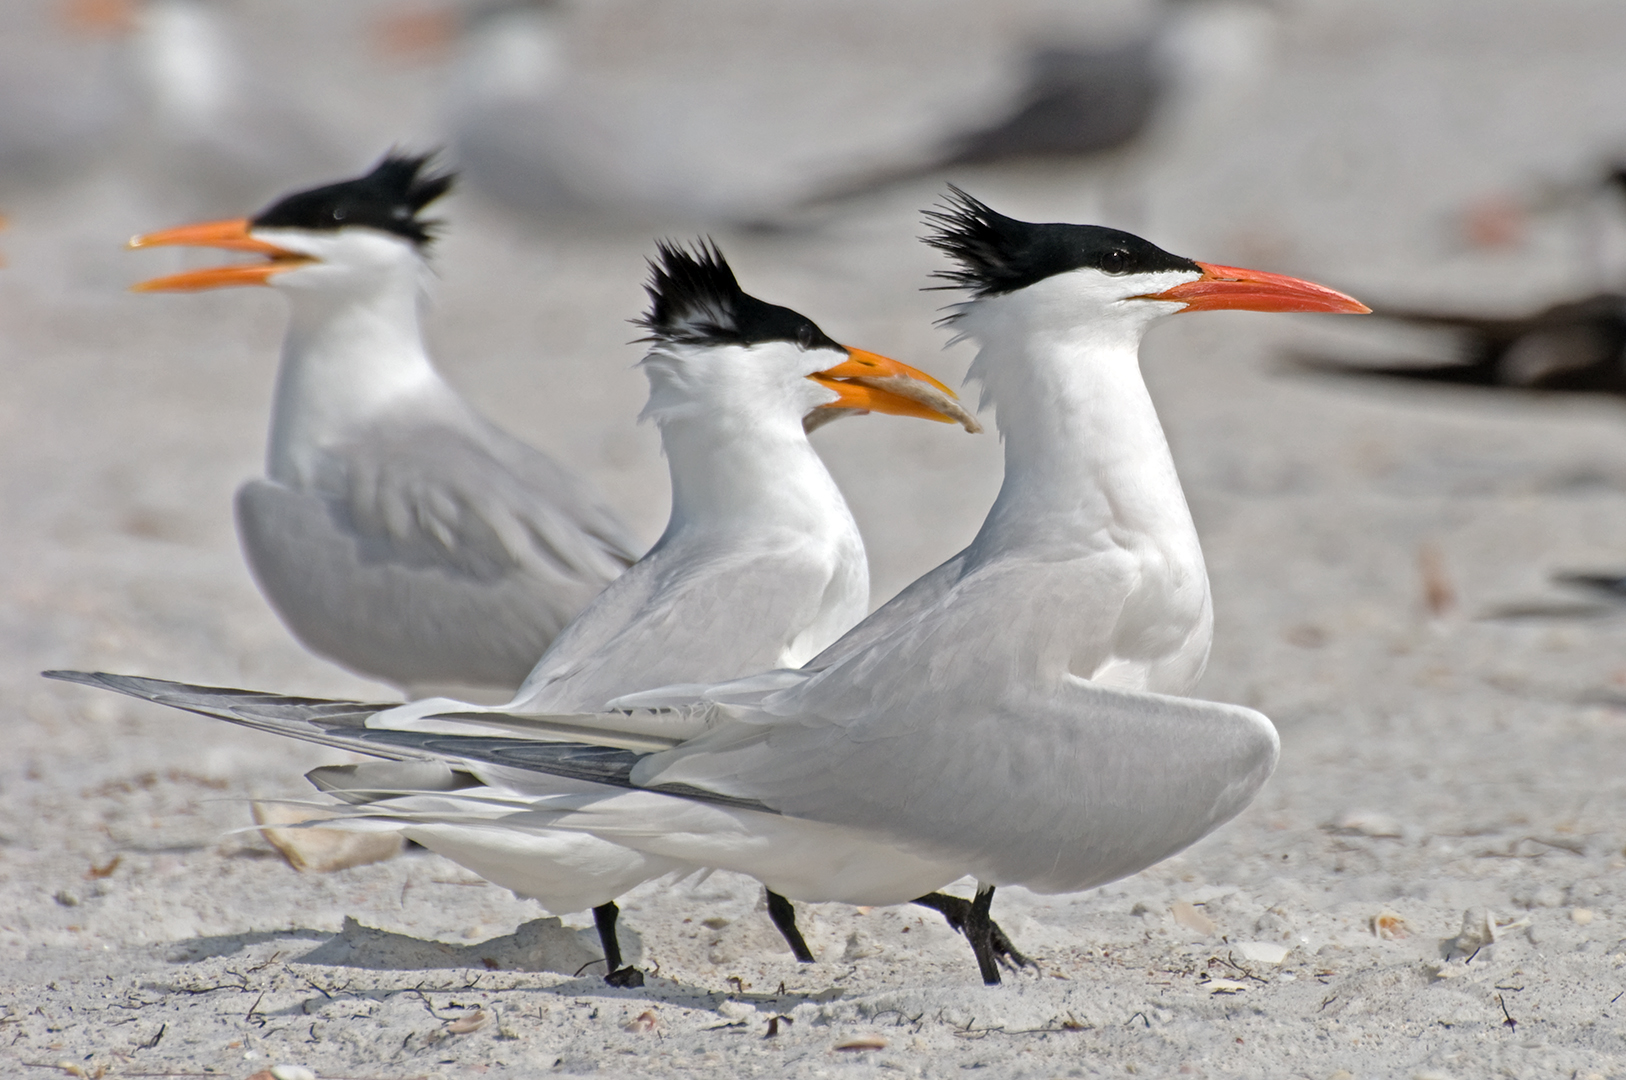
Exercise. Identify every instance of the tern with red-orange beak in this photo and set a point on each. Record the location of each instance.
(1016, 716)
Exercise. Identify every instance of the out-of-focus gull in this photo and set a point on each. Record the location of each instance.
(735, 112)
(218, 126)
(62, 88)
(1010, 716)
(760, 566)
(397, 532)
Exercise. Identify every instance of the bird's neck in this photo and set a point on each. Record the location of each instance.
(1086, 461)
(348, 356)
(750, 474)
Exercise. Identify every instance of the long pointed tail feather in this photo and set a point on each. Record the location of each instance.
(343, 725)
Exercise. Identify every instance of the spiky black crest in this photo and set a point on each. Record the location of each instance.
(999, 254)
(695, 299)
(388, 198)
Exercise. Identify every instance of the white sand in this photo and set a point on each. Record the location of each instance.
(1431, 764)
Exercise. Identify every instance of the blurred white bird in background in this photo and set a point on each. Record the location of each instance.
(218, 125)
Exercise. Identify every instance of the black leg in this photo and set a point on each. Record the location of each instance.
(783, 914)
(958, 914)
(604, 917)
(979, 931)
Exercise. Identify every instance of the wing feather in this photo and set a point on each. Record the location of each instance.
(431, 556)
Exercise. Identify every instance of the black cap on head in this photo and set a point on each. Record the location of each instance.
(694, 299)
(998, 254)
(388, 198)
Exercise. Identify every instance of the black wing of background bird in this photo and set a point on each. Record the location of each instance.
(1573, 347)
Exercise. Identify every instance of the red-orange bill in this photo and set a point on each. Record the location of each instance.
(1232, 288)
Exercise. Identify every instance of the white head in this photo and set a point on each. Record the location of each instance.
(1088, 281)
(354, 236)
(723, 360)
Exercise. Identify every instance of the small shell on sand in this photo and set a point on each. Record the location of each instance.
(1224, 986)
(321, 851)
(1261, 952)
(468, 1022)
(1189, 917)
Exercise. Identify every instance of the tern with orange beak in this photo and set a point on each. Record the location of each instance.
(761, 565)
(1013, 716)
(397, 532)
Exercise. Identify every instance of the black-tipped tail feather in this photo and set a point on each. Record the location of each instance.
(343, 725)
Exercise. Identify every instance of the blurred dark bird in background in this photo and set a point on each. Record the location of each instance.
(707, 113)
(1577, 346)
(1574, 347)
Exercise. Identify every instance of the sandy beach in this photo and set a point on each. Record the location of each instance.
(1432, 885)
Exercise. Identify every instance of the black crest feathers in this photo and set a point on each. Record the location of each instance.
(695, 299)
(998, 254)
(389, 198)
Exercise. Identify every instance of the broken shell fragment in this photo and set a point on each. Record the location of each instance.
(318, 850)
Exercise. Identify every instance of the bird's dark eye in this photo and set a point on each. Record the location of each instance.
(338, 213)
(804, 338)
(1115, 261)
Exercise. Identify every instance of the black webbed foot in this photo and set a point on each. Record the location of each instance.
(625, 978)
(962, 916)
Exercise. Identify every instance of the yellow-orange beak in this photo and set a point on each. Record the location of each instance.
(230, 235)
(1232, 288)
(877, 383)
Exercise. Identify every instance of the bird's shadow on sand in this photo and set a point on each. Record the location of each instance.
(541, 945)
(538, 945)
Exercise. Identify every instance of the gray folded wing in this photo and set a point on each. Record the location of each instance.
(1057, 791)
(432, 554)
(690, 616)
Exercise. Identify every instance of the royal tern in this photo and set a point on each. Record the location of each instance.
(397, 532)
(1010, 715)
(761, 564)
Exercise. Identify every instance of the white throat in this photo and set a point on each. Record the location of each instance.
(731, 429)
(353, 350)
(1090, 486)
(745, 479)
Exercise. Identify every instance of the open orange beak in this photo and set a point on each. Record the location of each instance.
(230, 235)
(877, 383)
(1232, 288)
